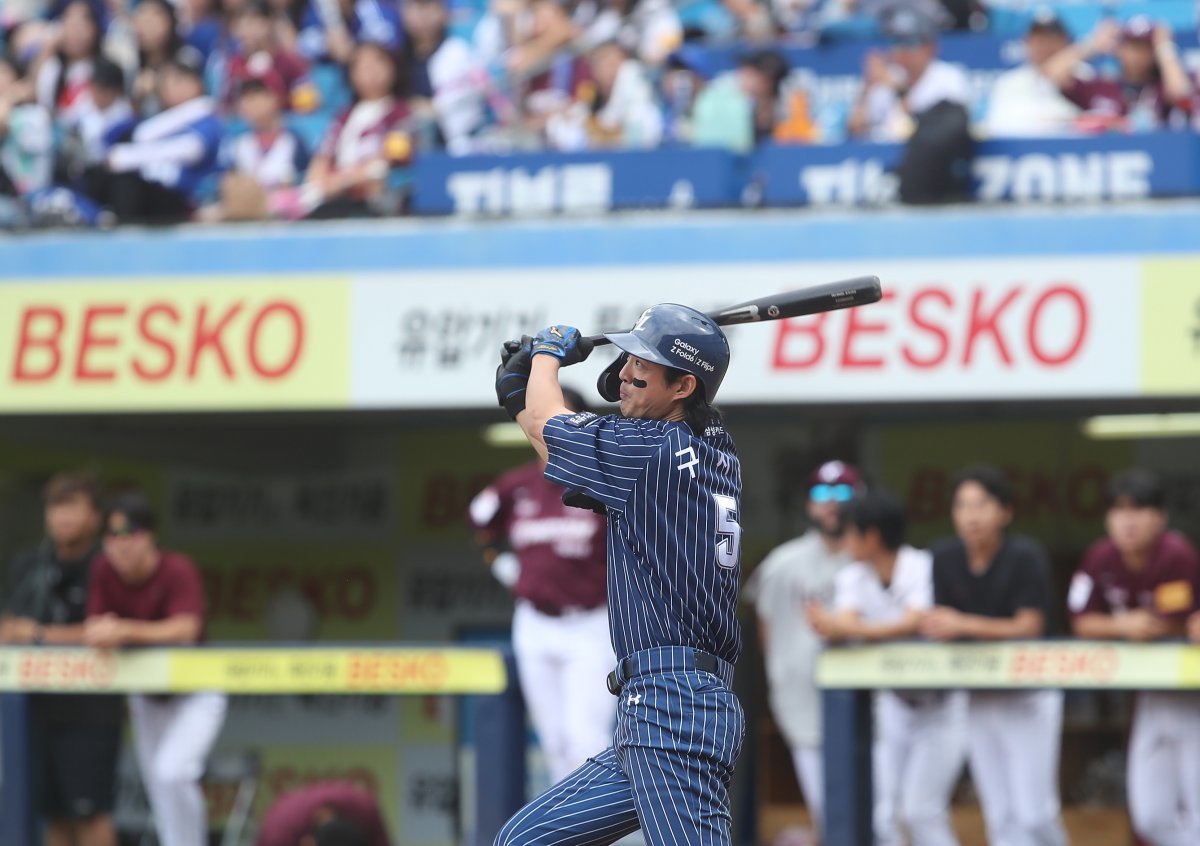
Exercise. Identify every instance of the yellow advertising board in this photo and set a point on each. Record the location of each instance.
(180, 343)
(1171, 326)
(1015, 664)
(380, 670)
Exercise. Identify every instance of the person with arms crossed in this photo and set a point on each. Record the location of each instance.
(556, 571)
(669, 477)
(1139, 583)
(920, 736)
(792, 576)
(74, 739)
(989, 585)
(142, 595)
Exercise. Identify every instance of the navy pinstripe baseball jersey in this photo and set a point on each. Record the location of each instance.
(674, 536)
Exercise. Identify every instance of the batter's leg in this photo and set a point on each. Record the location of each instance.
(889, 753)
(593, 806)
(678, 737)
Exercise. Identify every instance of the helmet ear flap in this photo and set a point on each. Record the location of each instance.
(609, 383)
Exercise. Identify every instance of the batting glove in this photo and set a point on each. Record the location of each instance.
(512, 376)
(564, 343)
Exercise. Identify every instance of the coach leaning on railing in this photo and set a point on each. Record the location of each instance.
(142, 595)
(74, 739)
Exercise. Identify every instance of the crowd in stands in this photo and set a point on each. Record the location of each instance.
(159, 111)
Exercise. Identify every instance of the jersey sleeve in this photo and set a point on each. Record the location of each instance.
(1175, 595)
(918, 595)
(101, 577)
(186, 593)
(1033, 587)
(1082, 595)
(490, 508)
(848, 589)
(603, 457)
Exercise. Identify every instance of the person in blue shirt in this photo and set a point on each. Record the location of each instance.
(668, 476)
(158, 173)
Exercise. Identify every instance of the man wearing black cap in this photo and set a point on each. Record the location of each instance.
(154, 176)
(1026, 102)
(909, 81)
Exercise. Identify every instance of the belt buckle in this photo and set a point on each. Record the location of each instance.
(614, 685)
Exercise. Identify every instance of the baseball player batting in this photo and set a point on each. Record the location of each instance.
(668, 475)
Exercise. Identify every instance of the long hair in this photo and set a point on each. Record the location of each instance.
(698, 413)
(60, 84)
(174, 40)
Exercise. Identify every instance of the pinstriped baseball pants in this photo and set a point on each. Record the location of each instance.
(668, 771)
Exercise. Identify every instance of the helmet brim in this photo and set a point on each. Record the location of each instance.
(632, 344)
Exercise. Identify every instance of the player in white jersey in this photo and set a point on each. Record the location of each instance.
(920, 736)
(793, 575)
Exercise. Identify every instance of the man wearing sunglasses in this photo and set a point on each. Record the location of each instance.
(143, 595)
(801, 571)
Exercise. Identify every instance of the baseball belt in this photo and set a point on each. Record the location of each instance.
(667, 659)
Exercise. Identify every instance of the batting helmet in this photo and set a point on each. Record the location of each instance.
(673, 336)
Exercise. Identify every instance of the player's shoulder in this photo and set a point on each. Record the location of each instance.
(518, 476)
(911, 558)
(1176, 545)
(790, 552)
(947, 550)
(1101, 554)
(1025, 549)
(177, 563)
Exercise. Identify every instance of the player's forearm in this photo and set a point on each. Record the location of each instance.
(1097, 627)
(63, 634)
(180, 630)
(904, 627)
(543, 400)
(1026, 624)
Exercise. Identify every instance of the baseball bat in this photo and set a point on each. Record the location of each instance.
(830, 296)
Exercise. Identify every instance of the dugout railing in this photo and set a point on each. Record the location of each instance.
(849, 674)
(483, 677)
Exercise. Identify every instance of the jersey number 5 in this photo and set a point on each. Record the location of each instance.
(729, 531)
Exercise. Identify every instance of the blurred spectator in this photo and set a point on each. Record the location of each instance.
(648, 29)
(287, 16)
(201, 21)
(909, 81)
(1140, 583)
(740, 108)
(157, 31)
(100, 117)
(447, 82)
(326, 812)
(991, 586)
(331, 28)
(616, 108)
(26, 144)
(142, 595)
(262, 164)
(157, 175)
(348, 174)
(259, 54)
(1151, 89)
(752, 19)
(74, 738)
(685, 75)
(63, 76)
(1026, 101)
(923, 101)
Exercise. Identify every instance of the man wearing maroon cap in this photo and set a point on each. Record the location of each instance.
(800, 572)
(1140, 583)
(557, 571)
(141, 595)
(1151, 90)
(301, 816)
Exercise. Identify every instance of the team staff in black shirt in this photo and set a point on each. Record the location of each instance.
(74, 739)
(990, 585)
